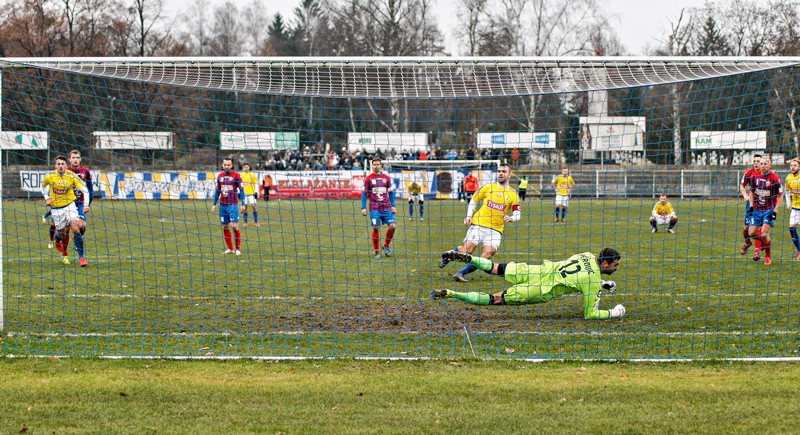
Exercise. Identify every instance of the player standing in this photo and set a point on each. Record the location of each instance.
(415, 195)
(266, 185)
(229, 192)
(378, 188)
(59, 189)
(250, 183)
(766, 194)
(744, 188)
(539, 283)
(563, 185)
(471, 185)
(500, 205)
(663, 213)
(793, 202)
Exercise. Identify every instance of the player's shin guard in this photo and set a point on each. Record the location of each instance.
(79, 244)
(481, 263)
(473, 298)
(255, 216)
(376, 239)
(389, 236)
(227, 236)
(52, 233)
(766, 244)
(238, 237)
(421, 209)
(65, 245)
(244, 216)
(411, 209)
(672, 223)
(563, 213)
(795, 238)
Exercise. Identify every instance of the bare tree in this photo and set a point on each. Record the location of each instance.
(254, 15)
(147, 32)
(227, 39)
(471, 17)
(196, 31)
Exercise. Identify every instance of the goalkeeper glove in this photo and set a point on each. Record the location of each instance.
(774, 215)
(618, 311)
(609, 286)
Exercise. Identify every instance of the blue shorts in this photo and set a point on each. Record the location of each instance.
(228, 214)
(376, 217)
(760, 217)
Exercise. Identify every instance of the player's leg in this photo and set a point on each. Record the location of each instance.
(754, 231)
(411, 207)
(375, 221)
(76, 227)
(766, 241)
(564, 206)
(391, 222)
(470, 243)
(794, 220)
(255, 213)
(653, 224)
(489, 248)
(558, 206)
(421, 207)
(672, 222)
(225, 220)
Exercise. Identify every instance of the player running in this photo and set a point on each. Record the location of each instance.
(500, 205)
(250, 183)
(415, 195)
(229, 192)
(744, 188)
(563, 184)
(766, 195)
(793, 202)
(535, 284)
(378, 188)
(59, 189)
(86, 176)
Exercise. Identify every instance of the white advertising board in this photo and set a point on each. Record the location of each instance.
(728, 140)
(23, 140)
(400, 142)
(133, 140)
(517, 140)
(259, 140)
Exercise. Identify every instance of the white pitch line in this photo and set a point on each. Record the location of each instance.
(458, 332)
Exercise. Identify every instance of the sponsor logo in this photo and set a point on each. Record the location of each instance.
(495, 205)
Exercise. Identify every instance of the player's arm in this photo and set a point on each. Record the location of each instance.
(779, 202)
(89, 188)
(591, 304)
(217, 193)
(788, 195)
(516, 214)
(46, 191)
(671, 210)
(85, 191)
(391, 198)
(744, 190)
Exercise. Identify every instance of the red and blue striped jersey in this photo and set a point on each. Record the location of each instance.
(83, 173)
(378, 188)
(766, 189)
(229, 185)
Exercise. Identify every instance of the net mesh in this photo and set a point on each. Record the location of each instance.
(307, 283)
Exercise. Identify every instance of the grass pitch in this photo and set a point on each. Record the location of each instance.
(307, 285)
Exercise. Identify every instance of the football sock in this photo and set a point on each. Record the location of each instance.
(556, 212)
(757, 239)
(421, 209)
(244, 216)
(83, 230)
(65, 244)
(52, 233)
(563, 213)
(389, 235)
(767, 246)
(238, 236)
(255, 216)
(481, 263)
(79, 244)
(376, 239)
(411, 210)
(473, 298)
(468, 268)
(227, 235)
(653, 224)
(795, 238)
(746, 234)
(672, 223)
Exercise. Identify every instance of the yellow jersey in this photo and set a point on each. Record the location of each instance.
(62, 188)
(662, 209)
(497, 201)
(250, 183)
(563, 184)
(793, 189)
(414, 189)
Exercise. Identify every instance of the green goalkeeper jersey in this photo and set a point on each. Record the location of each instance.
(551, 279)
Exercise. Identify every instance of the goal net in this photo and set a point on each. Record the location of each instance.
(296, 273)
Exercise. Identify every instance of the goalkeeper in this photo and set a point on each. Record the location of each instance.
(534, 284)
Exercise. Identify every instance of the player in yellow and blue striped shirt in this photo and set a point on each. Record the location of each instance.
(793, 202)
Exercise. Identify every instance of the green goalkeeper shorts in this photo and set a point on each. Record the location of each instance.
(527, 288)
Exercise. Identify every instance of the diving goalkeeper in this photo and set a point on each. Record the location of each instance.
(534, 284)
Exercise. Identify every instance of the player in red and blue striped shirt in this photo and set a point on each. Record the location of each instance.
(229, 193)
(766, 195)
(378, 188)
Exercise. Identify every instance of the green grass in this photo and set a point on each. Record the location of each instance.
(307, 285)
(346, 396)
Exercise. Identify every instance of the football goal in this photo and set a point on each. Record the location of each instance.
(323, 259)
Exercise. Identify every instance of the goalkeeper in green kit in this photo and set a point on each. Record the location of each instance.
(535, 284)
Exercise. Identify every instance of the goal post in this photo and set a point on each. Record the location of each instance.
(164, 279)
